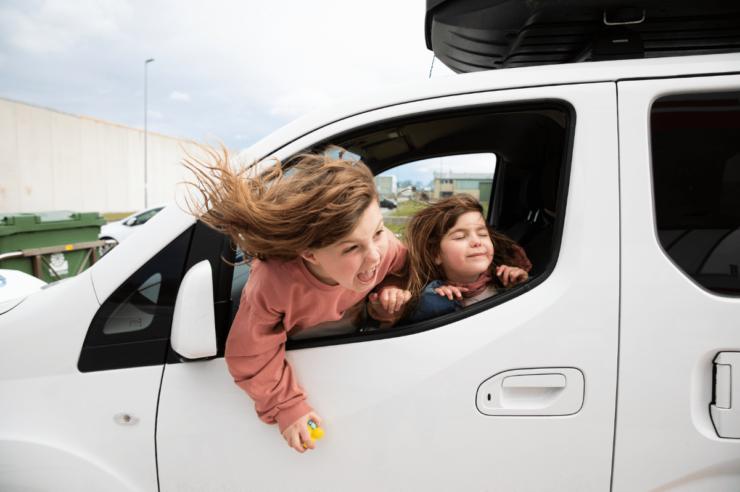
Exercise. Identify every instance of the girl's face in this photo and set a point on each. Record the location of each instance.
(353, 261)
(466, 249)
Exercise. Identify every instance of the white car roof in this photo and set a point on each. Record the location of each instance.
(510, 78)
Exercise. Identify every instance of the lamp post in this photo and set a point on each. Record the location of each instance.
(146, 114)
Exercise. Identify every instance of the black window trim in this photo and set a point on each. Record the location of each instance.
(564, 180)
(664, 248)
(134, 349)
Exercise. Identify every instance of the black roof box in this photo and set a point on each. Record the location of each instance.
(473, 35)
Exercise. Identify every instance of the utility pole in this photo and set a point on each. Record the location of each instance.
(146, 114)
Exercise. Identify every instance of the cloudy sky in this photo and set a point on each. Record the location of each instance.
(228, 70)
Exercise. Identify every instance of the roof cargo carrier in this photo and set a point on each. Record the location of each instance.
(474, 35)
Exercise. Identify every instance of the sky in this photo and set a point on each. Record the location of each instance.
(421, 173)
(230, 71)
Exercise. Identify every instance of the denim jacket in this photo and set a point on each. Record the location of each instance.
(432, 304)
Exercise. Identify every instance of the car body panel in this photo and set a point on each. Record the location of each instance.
(565, 74)
(400, 413)
(59, 427)
(671, 329)
(118, 264)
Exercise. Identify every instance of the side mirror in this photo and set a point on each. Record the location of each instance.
(194, 324)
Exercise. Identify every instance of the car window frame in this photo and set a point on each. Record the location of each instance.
(537, 104)
(664, 248)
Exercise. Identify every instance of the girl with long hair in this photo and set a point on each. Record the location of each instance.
(315, 231)
(455, 259)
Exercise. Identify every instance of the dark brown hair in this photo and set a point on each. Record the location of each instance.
(424, 233)
(313, 201)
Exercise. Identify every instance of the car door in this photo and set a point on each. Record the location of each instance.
(678, 416)
(520, 396)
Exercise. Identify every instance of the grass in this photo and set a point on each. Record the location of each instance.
(407, 208)
(396, 229)
(112, 216)
(396, 219)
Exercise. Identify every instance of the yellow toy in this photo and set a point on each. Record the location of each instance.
(314, 431)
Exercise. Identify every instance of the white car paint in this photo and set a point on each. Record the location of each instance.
(398, 406)
(671, 330)
(16, 285)
(121, 229)
(400, 412)
(58, 430)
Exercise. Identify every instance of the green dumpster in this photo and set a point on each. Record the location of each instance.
(51, 245)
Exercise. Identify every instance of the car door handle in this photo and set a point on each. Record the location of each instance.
(725, 407)
(532, 392)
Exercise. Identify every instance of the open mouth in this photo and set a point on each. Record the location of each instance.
(368, 275)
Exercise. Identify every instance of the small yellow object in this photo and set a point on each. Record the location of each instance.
(314, 431)
(69, 247)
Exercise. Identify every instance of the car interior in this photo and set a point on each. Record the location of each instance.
(531, 145)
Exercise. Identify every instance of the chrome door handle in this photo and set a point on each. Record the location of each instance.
(535, 392)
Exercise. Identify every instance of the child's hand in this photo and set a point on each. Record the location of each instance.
(391, 298)
(297, 434)
(451, 292)
(510, 275)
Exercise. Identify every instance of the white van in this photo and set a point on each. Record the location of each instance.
(615, 367)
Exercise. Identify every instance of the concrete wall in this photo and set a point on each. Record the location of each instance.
(56, 161)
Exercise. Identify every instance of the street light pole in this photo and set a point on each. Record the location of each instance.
(146, 114)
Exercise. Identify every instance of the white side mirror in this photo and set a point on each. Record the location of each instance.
(194, 324)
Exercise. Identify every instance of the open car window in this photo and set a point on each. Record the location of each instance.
(410, 187)
(510, 158)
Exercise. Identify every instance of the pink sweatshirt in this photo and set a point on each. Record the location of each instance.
(280, 297)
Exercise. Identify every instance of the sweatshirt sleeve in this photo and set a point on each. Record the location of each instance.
(255, 354)
(397, 251)
(396, 264)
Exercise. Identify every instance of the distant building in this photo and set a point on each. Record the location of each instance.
(446, 184)
(57, 161)
(387, 186)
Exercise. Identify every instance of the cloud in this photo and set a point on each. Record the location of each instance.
(467, 163)
(244, 74)
(425, 169)
(58, 25)
(298, 102)
(179, 96)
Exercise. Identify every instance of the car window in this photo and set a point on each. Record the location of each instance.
(137, 311)
(695, 142)
(143, 217)
(509, 158)
(410, 187)
(132, 327)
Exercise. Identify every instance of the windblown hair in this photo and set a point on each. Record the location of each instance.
(424, 233)
(309, 202)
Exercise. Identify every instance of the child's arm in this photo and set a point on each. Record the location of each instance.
(255, 356)
(451, 292)
(511, 275)
(386, 304)
(299, 435)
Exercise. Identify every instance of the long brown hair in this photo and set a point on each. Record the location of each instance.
(424, 233)
(310, 202)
